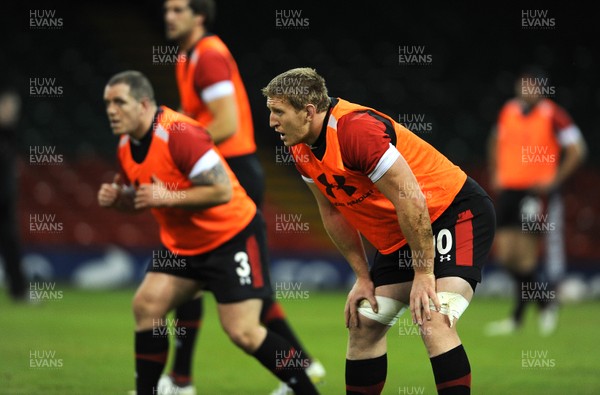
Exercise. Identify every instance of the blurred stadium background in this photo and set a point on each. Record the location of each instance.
(453, 97)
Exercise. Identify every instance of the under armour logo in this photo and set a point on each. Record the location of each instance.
(341, 184)
(444, 258)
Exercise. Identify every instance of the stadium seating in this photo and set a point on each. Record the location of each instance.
(68, 191)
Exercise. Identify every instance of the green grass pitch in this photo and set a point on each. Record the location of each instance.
(84, 344)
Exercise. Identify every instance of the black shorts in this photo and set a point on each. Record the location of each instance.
(463, 237)
(250, 174)
(235, 271)
(519, 208)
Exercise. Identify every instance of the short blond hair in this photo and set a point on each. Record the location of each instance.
(299, 87)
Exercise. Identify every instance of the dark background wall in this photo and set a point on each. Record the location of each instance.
(475, 53)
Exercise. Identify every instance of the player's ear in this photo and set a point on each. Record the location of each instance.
(311, 110)
(200, 20)
(146, 103)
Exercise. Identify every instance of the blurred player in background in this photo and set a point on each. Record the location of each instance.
(211, 91)
(170, 166)
(533, 150)
(10, 243)
(372, 176)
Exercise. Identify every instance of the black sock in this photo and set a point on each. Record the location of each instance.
(151, 350)
(522, 282)
(452, 372)
(273, 317)
(188, 318)
(277, 355)
(366, 376)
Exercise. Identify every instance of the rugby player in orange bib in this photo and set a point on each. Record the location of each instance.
(207, 222)
(534, 148)
(212, 91)
(431, 224)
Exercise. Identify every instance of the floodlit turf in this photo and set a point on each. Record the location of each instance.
(83, 344)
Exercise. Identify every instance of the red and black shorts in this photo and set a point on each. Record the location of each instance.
(463, 237)
(235, 271)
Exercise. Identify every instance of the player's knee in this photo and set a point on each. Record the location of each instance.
(452, 306)
(145, 307)
(388, 311)
(245, 337)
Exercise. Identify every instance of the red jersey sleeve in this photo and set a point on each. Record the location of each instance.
(188, 145)
(363, 141)
(561, 119)
(212, 67)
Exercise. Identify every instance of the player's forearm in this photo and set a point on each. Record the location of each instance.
(573, 158)
(415, 223)
(347, 240)
(401, 187)
(198, 197)
(221, 129)
(225, 118)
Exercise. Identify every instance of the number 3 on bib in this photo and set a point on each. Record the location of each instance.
(243, 271)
